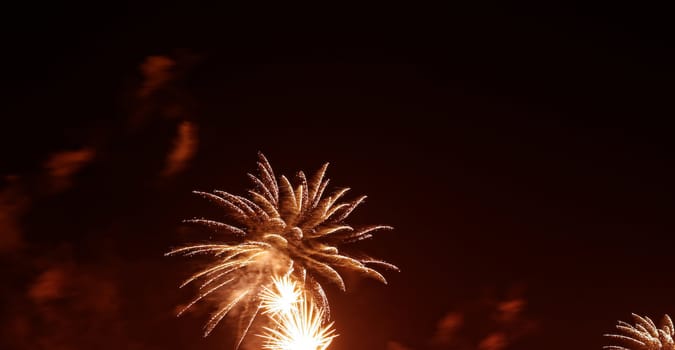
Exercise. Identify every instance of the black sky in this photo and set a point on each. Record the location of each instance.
(510, 145)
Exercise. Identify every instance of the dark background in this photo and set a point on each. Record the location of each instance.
(522, 152)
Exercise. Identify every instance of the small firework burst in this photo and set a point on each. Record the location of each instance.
(282, 297)
(300, 328)
(644, 335)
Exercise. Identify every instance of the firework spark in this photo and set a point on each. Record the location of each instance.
(300, 328)
(279, 230)
(644, 335)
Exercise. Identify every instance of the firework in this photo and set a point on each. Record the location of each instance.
(644, 335)
(301, 327)
(279, 230)
(282, 298)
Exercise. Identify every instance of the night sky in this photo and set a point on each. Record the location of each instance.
(522, 152)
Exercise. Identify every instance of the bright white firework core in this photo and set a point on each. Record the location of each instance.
(301, 326)
(282, 298)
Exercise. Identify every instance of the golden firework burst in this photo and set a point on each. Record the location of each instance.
(280, 229)
(644, 335)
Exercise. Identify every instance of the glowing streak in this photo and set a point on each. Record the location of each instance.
(220, 314)
(236, 264)
(203, 295)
